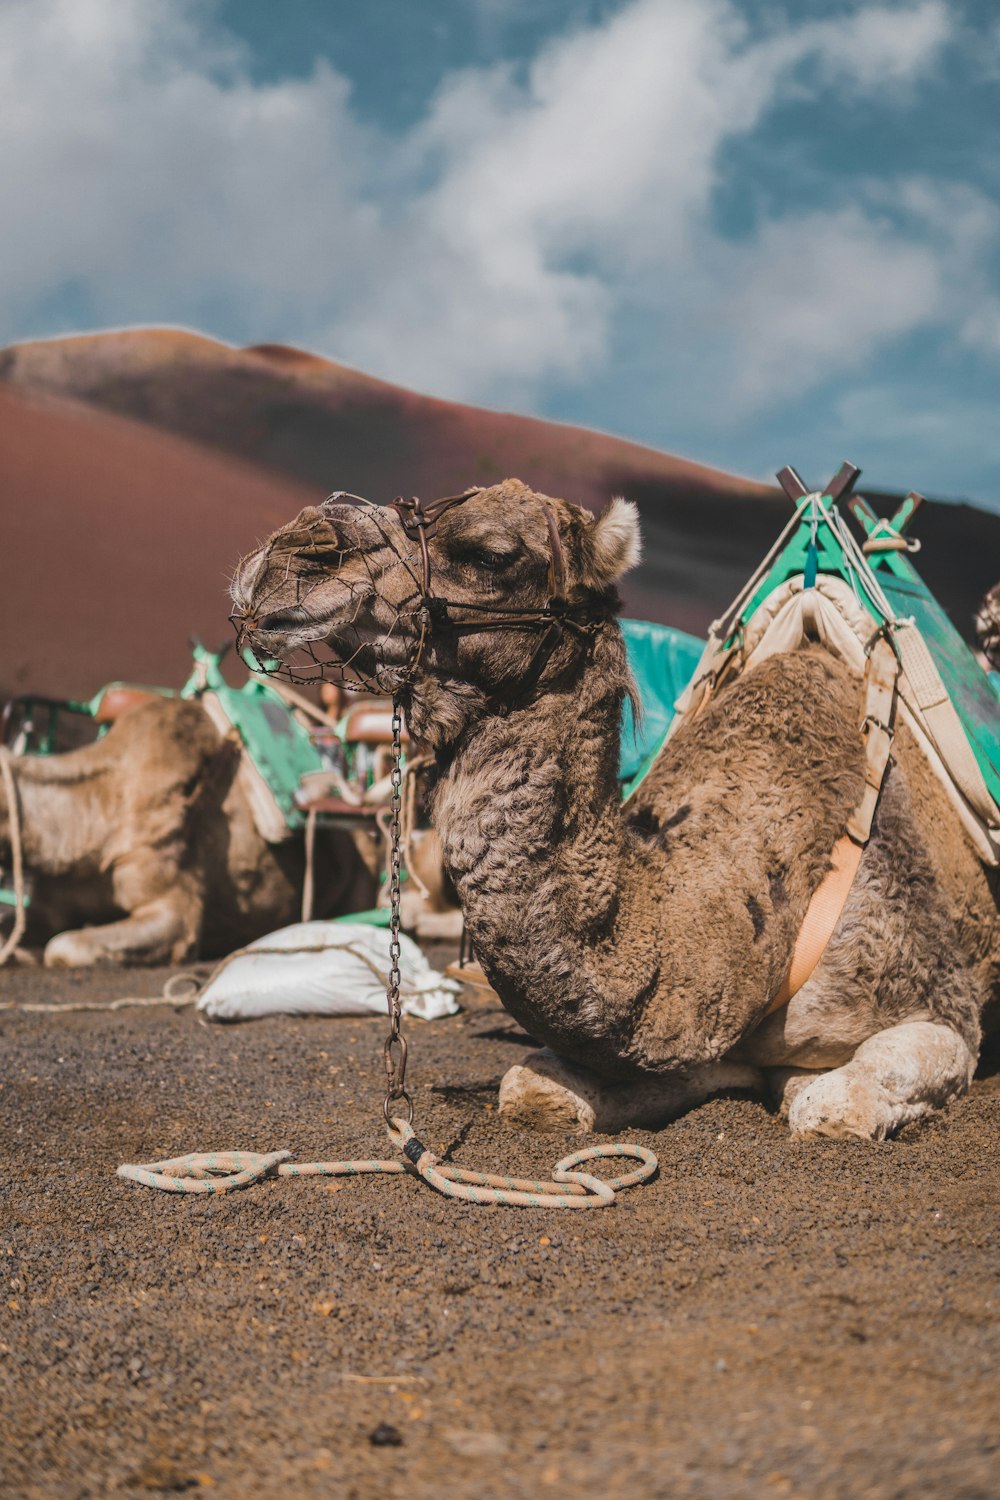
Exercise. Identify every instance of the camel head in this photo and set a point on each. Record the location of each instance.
(503, 598)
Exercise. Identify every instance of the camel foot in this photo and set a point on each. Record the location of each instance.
(786, 1084)
(76, 950)
(158, 933)
(545, 1093)
(897, 1076)
(840, 1106)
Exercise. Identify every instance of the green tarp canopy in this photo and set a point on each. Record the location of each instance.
(662, 660)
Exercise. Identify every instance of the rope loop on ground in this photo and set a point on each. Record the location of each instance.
(565, 1189)
(225, 1171)
(206, 1171)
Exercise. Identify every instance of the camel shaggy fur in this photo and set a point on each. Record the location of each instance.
(142, 847)
(644, 944)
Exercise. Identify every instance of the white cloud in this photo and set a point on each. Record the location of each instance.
(937, 440)
(981, 329)
(139, 163)
(820, 293)
(496, 247)
(876, 47)
(590, 184)
(823, 292)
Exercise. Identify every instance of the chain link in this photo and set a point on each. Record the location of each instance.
(394, 1051)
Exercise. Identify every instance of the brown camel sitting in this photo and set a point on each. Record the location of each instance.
(645, 945)
(142, 847)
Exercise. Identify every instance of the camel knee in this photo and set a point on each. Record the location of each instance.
(897, 1076)
(545, 1093)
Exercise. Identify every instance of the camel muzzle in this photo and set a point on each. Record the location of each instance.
(317, 607)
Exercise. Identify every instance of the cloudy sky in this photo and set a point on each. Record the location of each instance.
(750, 231)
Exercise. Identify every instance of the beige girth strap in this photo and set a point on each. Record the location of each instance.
(923, 690)
(830, 897)
(881, 673)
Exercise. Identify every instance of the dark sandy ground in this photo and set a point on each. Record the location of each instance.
(768, 1318)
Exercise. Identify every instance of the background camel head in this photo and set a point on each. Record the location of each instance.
(988, 627)
(339, 591)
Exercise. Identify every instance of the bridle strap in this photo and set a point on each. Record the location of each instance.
(557, 560)
(419, 522)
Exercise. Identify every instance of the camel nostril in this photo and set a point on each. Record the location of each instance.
(280, 619)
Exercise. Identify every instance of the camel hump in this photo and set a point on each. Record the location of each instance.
(118, 699)
(163, 733)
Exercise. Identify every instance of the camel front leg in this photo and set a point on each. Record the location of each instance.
(159, 932)
(545, 1093)
(896, 1076)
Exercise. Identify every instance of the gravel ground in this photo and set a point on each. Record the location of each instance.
(767, 1318)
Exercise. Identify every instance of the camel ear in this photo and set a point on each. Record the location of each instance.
(614, 543)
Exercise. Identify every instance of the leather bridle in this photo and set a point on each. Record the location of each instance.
(420, 521)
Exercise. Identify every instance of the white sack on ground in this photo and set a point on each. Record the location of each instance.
(344, 974)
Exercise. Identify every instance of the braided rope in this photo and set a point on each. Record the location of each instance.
(225, 1171)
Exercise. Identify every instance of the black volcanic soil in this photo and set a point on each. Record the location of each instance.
(768, 1318)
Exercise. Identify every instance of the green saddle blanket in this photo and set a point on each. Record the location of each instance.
(890, 588)
(279, 748)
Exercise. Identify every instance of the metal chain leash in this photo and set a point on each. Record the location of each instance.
(394, 1051)
(225, 1171)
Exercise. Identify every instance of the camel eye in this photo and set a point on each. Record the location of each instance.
(488, 558)
(496, 553)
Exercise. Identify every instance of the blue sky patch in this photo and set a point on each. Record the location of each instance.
(747, 232)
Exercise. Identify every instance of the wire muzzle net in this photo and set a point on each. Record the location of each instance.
(336, 596)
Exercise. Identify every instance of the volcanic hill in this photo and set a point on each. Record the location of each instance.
(140, 464)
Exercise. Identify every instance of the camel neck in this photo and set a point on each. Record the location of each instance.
(529, 816)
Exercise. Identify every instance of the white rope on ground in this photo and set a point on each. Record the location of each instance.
(225, 1171)
(126, 1002)
(16, 854)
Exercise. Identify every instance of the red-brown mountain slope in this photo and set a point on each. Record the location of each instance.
(118, 542)
(336, 428)
(174, 452)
